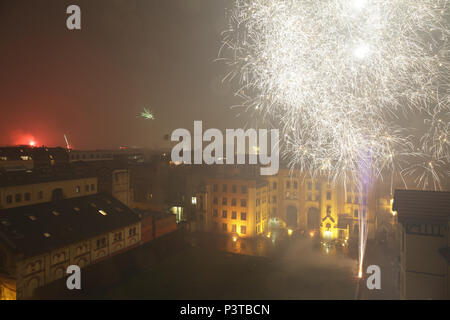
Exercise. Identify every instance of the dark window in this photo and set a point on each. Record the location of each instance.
(118, 236)
(224, 201)
(233, 215)
(224, 227)
(233, 188)
(233, 202)
(224, 214)
(328, 210)
(215, 201)
(101, 243)
(57, 194)
(224, 188)
(243, 229)
(215, 213)
(27, 196)
(215, 188)
(41, 195)
(132, 232)
(328, 195)
(243, 216)
(295, 184)
(288, 184)
(233, 228)
(92, 187)
(243, 203)
(244, 189)
(86, 188)
(9, 199)
(356, 213)
(18, 197)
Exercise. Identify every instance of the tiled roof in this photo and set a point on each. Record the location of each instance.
(42, 227)
(422, 205)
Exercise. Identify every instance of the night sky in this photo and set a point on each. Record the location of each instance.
(91, 83)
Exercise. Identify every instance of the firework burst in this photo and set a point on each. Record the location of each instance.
(338, 76)
(341, 78)
(147, 114)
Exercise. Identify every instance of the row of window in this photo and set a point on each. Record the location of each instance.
(233, 228)
(86, 188)
(19, 197)
(101, 243)
(310, 197)
(356, 200)
(233, 188)
(233, 202)
(90, 156)
(233, 214)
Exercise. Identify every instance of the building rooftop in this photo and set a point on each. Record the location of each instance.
(418, 205)
(47, 174)
(42, 227)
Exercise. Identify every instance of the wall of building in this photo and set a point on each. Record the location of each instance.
(39, 270)
(423, 270)
(43, 192)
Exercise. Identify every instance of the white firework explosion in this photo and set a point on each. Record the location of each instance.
(340, 75)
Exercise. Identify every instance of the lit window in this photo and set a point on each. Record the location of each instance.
(76, 209)
(194, 200)
(55, 213)
(32, 218)
(77, 189)
(102, 212)
(47, 235)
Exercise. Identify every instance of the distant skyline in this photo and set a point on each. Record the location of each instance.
(91, 84)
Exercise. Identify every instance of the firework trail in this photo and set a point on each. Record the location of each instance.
(341, 76)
